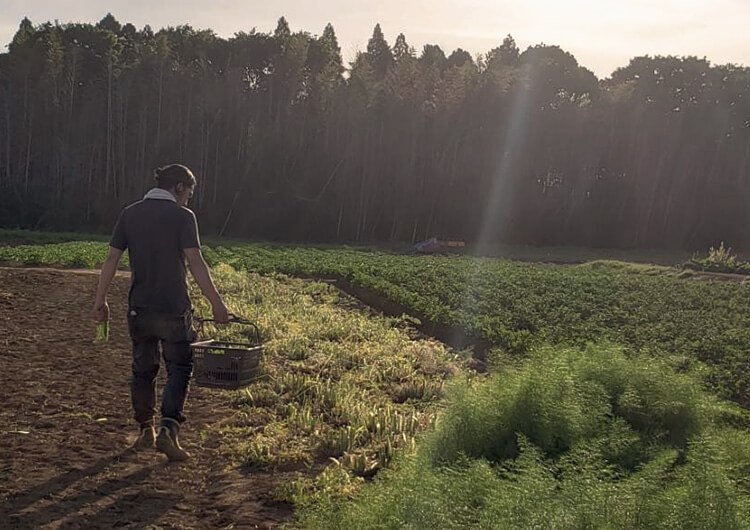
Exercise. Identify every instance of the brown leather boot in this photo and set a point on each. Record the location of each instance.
(167, 441)
(145, 440)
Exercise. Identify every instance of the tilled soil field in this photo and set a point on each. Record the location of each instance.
(66, 427)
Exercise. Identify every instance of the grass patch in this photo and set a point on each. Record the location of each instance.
(634, 268)
(340, 388)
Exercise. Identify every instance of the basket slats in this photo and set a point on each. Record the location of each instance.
(229, 365)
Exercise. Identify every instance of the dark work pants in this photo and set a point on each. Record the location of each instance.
(174, 333)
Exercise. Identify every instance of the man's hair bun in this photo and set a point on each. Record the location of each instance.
(169, 176)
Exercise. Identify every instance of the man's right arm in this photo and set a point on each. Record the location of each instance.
(100, 311)
(117, 246)
(200, 272)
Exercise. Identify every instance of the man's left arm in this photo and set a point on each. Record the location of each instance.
(191, 247)
(202, 276)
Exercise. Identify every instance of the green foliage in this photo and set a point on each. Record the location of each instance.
(557, 444)
(718, 260)
(703, 326)
(75, 254)
(576, 436)
(562, 397)
(519, 306)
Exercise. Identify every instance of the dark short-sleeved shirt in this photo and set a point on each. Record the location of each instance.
(156, 232)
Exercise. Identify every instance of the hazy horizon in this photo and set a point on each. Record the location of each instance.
(603, 35)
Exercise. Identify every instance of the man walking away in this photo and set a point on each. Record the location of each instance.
(160, 233)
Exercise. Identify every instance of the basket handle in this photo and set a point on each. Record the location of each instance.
(233, 319)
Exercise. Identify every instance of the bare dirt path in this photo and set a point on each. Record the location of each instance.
(65, 425)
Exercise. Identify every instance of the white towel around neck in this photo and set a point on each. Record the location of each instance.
(159, 193)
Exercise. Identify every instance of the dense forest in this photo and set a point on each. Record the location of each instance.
(289, 143)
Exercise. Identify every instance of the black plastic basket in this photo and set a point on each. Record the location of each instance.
(229, 365)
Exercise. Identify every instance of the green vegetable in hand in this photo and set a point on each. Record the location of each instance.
(102, 332)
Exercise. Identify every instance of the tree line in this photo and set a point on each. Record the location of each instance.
(287, 143)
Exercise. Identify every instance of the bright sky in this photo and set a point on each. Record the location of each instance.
(601, 34)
